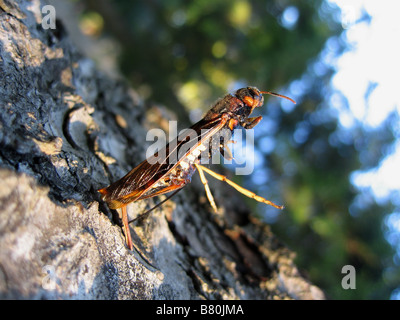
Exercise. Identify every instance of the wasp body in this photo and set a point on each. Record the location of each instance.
(172, 167)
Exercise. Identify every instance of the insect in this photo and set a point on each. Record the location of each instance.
(172, 167)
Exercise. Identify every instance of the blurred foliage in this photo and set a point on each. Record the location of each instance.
(189, 52)
(185, 54)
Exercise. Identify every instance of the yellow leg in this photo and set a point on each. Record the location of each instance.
(205, 183)
(237, 187)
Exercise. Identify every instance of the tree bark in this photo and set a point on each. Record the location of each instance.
(67, 130)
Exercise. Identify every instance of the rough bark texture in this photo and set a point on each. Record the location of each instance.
(65, 131)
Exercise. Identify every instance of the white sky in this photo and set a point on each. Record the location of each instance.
(373, 59)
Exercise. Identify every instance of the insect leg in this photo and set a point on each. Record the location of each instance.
(251, 122)
(126, 228)
(177, 185)
(206, 187)
(246, 192)
(226, 151)
(146, 213)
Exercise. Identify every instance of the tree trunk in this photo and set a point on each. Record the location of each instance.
(67, 130)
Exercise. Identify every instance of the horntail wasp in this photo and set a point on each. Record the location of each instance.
(158, 175)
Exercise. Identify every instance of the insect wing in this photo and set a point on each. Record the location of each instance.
(185, 143)
(134, 185)
(129, 184)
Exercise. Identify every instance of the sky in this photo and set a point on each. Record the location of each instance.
(368, 76)
(372, 59)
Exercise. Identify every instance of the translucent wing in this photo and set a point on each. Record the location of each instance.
(135, 183)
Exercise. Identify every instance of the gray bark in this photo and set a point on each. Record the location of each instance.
(67, 130)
